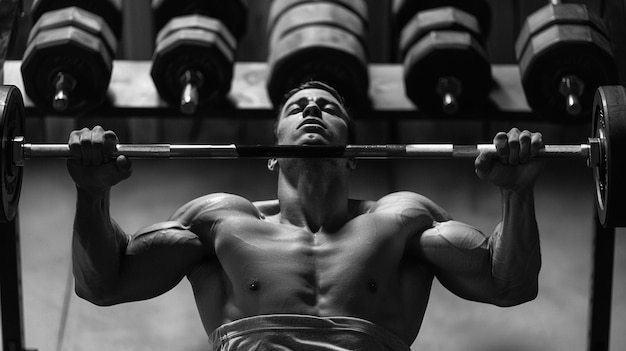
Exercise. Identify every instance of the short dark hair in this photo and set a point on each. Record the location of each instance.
(314, 84)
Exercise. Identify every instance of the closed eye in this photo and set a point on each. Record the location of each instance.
(293, 110)
(330, 108)
(335, 110)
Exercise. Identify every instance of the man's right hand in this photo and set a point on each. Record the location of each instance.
(93, 166)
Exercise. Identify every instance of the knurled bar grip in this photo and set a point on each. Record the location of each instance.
(232, 151)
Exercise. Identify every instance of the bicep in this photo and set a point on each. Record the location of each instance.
(156, 260)
(459, 256)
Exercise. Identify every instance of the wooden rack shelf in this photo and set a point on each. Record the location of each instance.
(133, 94)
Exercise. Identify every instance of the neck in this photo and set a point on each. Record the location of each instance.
(313, 193)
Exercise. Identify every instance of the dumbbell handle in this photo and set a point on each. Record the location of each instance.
(449, 89)
(571, 87)
(22, 151)
(191, 81)
(64, 84)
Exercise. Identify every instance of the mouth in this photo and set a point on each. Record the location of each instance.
(311, 123)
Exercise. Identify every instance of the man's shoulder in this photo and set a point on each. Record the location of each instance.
(408, 203)
(402, 199)
(215, 205)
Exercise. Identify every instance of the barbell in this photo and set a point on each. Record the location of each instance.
(605, 151)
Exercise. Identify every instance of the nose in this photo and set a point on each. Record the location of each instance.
(312, 110)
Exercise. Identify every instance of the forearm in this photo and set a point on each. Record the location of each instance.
(98, 245)
(514, 245)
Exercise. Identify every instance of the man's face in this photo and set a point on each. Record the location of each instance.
(312, 117)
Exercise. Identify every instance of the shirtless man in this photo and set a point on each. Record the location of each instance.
(313, 270)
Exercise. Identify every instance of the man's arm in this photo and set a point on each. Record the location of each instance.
(503, 268)
(514, 244)
(109, 265)
(98, 245)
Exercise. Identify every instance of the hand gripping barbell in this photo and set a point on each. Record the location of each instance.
(605, 151)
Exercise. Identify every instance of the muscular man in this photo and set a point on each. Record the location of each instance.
(312, 270)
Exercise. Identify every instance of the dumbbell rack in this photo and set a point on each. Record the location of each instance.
(133, 94)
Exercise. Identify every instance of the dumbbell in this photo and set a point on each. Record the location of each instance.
(446, 67)
(68, 60)
(404, 10)
(564, 53)
(318, 40)
(232, 13)
(192, 65)
(109, 10)
(288, 15)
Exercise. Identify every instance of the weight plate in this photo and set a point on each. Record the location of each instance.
(318, 13)
(609, 125)
(551, 15)
(109, 10)
(278, 7)
(404, 10)
(233, 13)
(442, 18)
(11, 125)
(75, 17)
(197, 22)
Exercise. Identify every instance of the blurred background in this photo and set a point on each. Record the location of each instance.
(558, 320)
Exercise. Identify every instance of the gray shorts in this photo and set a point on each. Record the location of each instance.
(288, 332)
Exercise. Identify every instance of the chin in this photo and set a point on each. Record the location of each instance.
(313, 139)
(314, 142)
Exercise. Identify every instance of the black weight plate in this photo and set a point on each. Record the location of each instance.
(609, 125)
(11, 125)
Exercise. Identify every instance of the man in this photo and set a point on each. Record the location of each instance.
(312, 270)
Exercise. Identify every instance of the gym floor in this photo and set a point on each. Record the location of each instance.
(56, 319)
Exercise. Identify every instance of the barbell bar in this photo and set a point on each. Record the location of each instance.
(23, 151)
(605, 151)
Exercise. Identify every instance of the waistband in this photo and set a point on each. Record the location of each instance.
(302, 332)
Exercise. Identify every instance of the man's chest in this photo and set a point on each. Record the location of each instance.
(251, 247)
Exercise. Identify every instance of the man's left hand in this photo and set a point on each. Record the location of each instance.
(511, 169)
